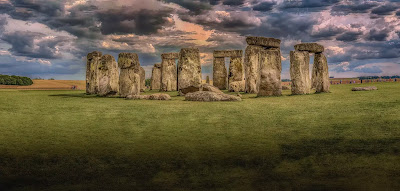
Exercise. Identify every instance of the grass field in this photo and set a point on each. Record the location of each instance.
(66, 140)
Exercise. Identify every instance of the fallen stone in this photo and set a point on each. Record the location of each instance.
(310, 47)
(227, 53)
(263, 41)
(208, 96)
(129, 78)
(156, 77)
(286, 88)
(108, 76)
(142, 74)
(219, 73)
(370, 88)
(189, 69)
(238, 86)
(210, 88)
(321, 78)
(157, 96)
(251, 66)
(269, 82)
(299, 72)
(92, 80)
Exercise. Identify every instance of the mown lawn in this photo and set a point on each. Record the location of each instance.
(66, 140)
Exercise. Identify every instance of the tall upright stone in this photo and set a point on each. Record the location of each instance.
(269, 80)
(92, 63)
(142, 74)
(108, 76)
(321, 78)
(219, 73)
(156, 77)
(300, 72)
(189, 69)
(169, 72)
(252, 62)
(129, 78)
(208, 80)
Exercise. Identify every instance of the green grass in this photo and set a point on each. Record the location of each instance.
(66, 140)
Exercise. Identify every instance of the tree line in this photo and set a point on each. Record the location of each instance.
(15, 80)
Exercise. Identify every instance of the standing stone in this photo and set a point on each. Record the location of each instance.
(168, 72)
(235, 70)
(321, 73)
(314, 75)
(208, 80)
(108, 76)
(92, 81)
(299, 72)
(219, 73)
(142, 74)
(189, 69)
(269, 82)
(129, 78)
(156, 77)
(252, 62)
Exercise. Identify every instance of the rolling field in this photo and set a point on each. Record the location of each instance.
(50, 85)
(66, 140)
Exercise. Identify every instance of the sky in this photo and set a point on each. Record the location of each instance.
(51, 38)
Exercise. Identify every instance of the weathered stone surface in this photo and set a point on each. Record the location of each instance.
(129, 78)
(172, 55)
(299, 72)
(157, 96)
(227, 53)
(219, 73)
(128, 60)
(269, 82)
(92, 81)
(238, 86)
(210, 96)
(263, 41)
(168, 75)
(108, 76)
(251, 66)
(321, 78)
(156, 77)
(202, 87)
(370, 88)
(208, 80)
(235, 70)
(142, 74)
(189, 69)
(310, 47)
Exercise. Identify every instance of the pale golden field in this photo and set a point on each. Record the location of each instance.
(50, 85)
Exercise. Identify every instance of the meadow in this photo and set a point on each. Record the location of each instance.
(66, 140)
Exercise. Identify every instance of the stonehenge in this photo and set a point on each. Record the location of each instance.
(168, 72)
(156, 77)
(260, 73)
(92, 81)
(235, 67)
(263, 66)
(189, 70)
(299, 69)
(108, 76)
(129, 78)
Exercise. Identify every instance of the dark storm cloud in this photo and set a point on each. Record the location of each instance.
(378, 35)
(310, 5)
(126, 21)
(23, 44)
(349, 36)
(327, 32)
(355, 7)
(264, 6)
(194, 6)
(3, 22)
(233, 2)
(384, 10)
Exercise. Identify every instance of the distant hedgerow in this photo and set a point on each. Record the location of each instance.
(15, 80)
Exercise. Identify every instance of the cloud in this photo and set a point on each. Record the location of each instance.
(349, 36)
(378, 35)
(363, 69)
(34, 44)
(310, 5)
(264, 6)
(353, 7)
(384, 9)
(233, 2)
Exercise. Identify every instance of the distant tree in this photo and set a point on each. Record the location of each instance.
(15, 80)
(51, 78)
(148, 82)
